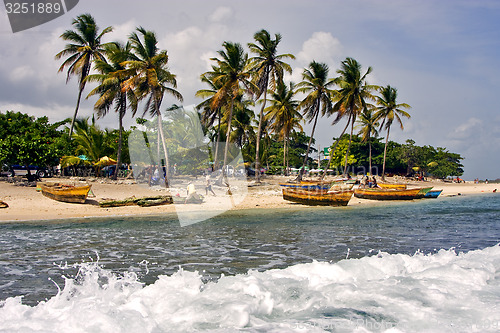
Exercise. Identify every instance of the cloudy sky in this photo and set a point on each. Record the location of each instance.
(442, 56)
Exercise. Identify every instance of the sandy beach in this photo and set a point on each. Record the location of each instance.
(26, 204)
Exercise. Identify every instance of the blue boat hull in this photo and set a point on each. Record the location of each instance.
(433, 194)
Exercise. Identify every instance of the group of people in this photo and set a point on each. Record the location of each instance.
(192, 196)
(369, 181)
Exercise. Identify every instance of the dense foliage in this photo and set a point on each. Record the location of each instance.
(27, 140)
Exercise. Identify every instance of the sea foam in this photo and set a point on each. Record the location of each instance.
(441, 292)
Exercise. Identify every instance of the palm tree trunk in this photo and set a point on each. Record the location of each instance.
(334, 148)
(348, 147)
(287, 157)
(76, 111)
(120, 138)
(257, 147)
(228, 133)
(218, 140)
(370, 153)
(284, 155)
(301, 172)
(385, 152)
(162, 137)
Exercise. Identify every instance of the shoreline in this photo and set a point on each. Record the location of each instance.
(26, 204)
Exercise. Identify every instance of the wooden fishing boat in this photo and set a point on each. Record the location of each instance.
(423, 191)
(392, 186)
(3, 204)
(433, 194)
(308, 185)
(317, 184)
(318, 197)
(65, 193)
(387, 194)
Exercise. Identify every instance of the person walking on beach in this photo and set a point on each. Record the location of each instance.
(208, 186)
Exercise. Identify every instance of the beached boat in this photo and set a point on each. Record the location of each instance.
(433, 194)
(423, 191)
(318, 197)
(65, 193)
(392, 186)
(308, 185)
(317, 184)
(3, 204)
(387, 194)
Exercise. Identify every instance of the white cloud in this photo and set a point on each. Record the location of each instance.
(21, 73)
(471, 128)
(221, 13)
(321, 47)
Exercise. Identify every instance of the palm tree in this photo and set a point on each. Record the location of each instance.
(151, 79)
(84, 47)
(350, 99)
(369, 125)
(212, 112)
(233, 71)
(113, 88)
(268, 70)
(89, 138)
(284, 116)
(387, 111)
(319, 99)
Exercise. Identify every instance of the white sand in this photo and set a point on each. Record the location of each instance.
(26, 204)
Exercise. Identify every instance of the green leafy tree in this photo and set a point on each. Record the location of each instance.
(388, 111)
(27, 140)
(268, 69)
(316, 85)
(83, 48)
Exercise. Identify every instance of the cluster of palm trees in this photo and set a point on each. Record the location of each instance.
(137, 71)
(126, 73)
(235, 74)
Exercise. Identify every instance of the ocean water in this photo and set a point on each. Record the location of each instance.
(424, 266)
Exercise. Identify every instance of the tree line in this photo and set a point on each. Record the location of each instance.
(135, 72)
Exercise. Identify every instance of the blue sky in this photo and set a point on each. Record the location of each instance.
(442, 56)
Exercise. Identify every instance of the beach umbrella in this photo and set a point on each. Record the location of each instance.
(67, 161)
(105, 161)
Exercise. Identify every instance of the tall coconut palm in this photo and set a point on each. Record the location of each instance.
(113, 88)
(268, 69)
(212, 112)
(84, 47)
(233, 72)
(319, 99)
(151, 79)
(350, 100)
(368, 124)
(388, 111)
(284, 115)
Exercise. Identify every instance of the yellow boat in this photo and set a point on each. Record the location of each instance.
(392, 186)
(388, 194)
(317, 197)
(65, 193)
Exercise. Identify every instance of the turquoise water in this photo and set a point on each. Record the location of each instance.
(321, 269)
